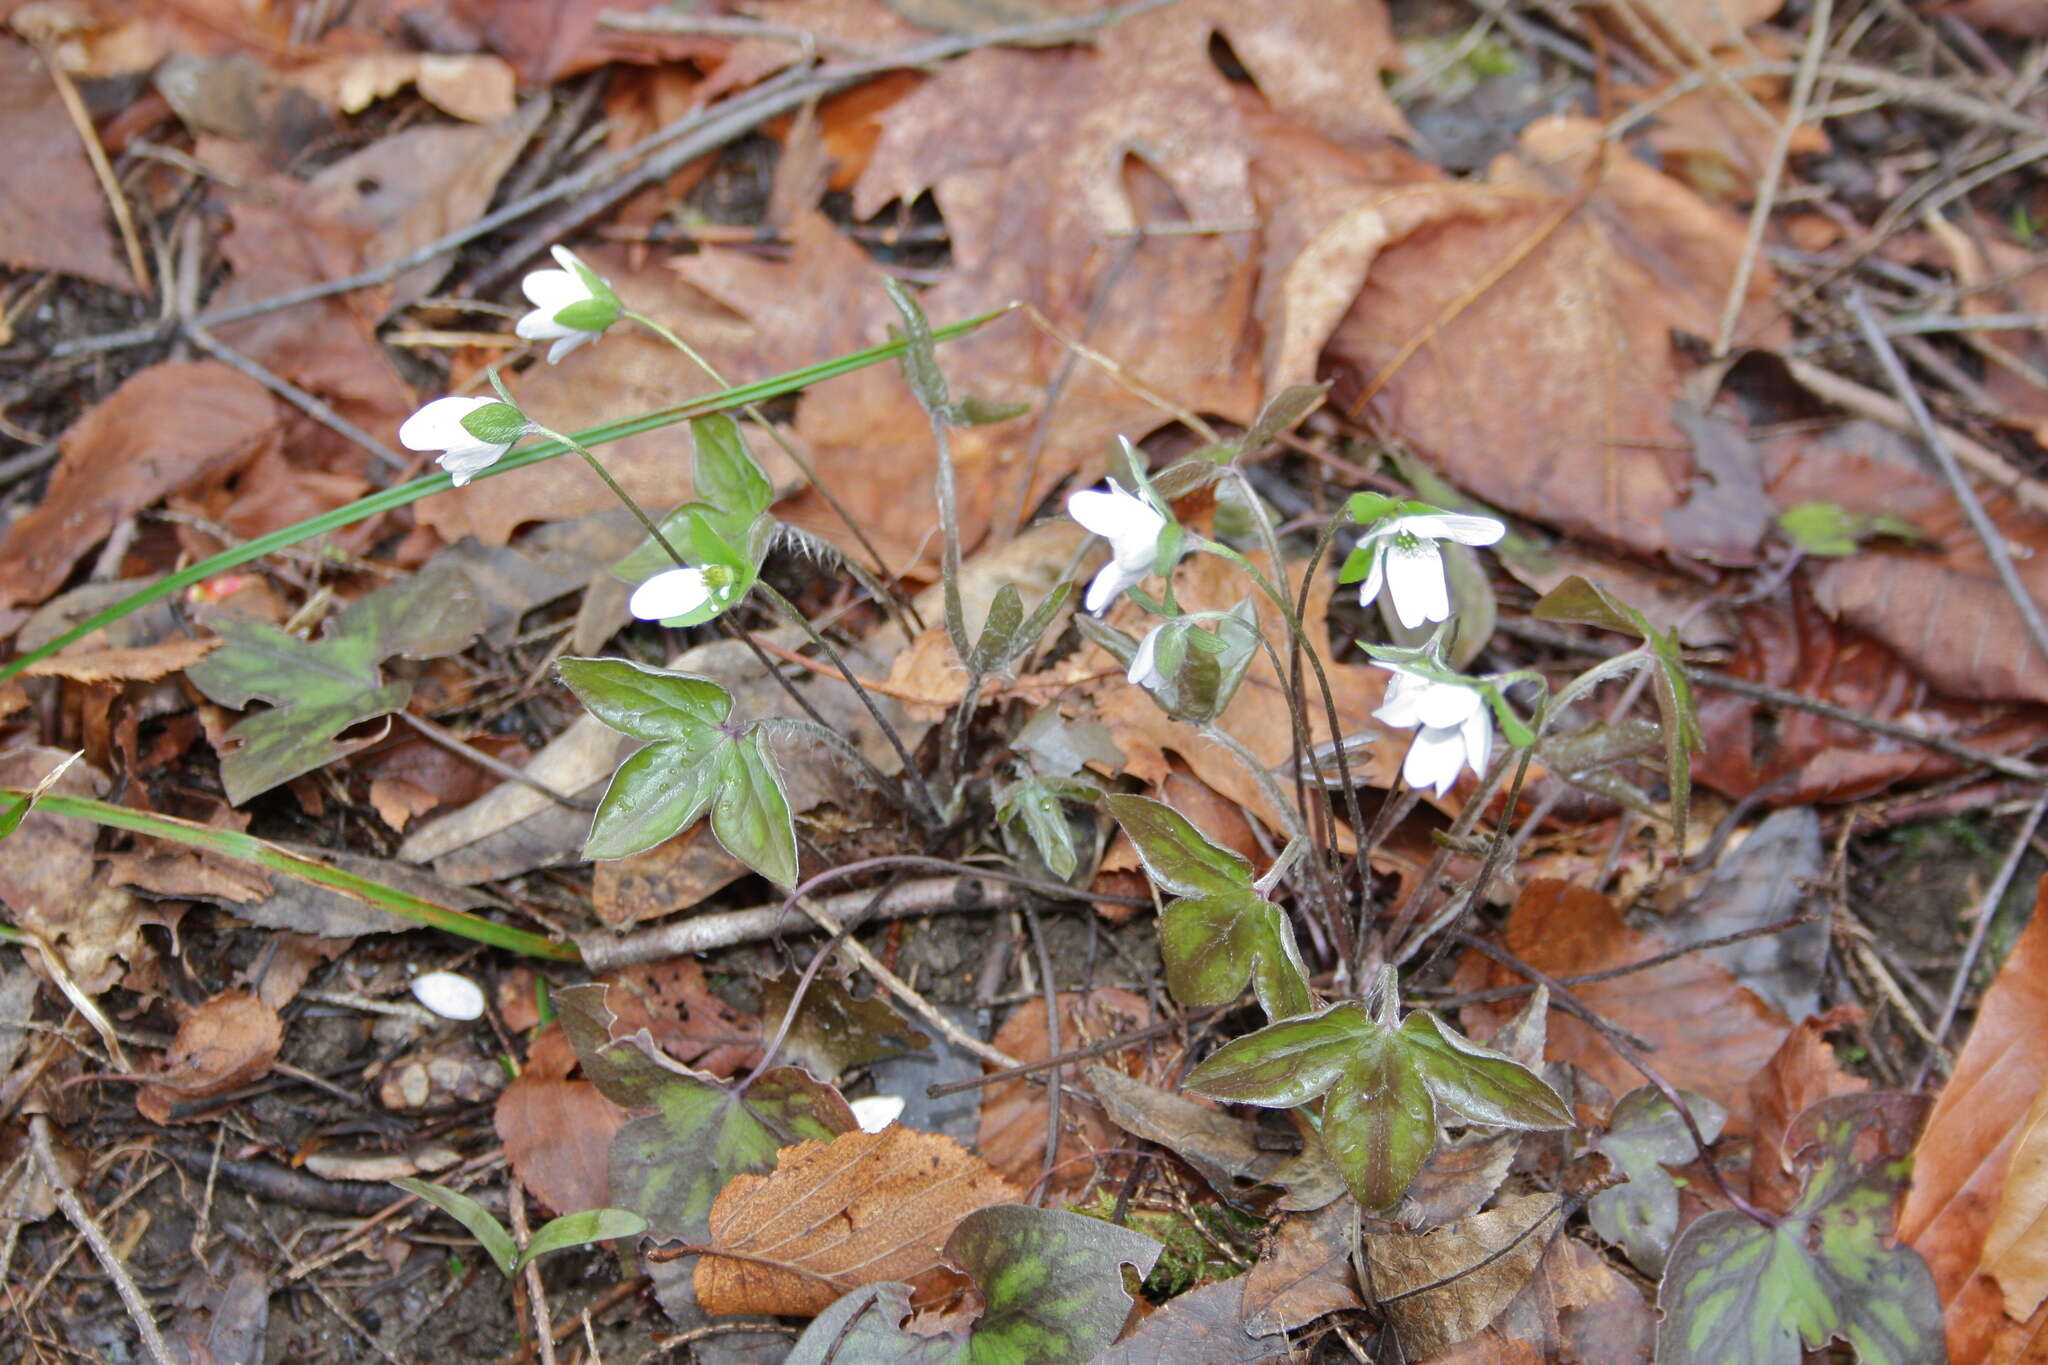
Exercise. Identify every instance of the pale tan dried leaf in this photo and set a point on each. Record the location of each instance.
(862, 1208)
(227, 1042)
(2016, 1247)
(142, 663)
(1444, 1286)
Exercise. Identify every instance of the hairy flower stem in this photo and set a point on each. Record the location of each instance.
(803, 623)
(888, 601)
(639, 512)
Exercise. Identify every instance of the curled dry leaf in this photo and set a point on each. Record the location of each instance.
(1962, 1161)
(1442, 1287)
(862, 1208)
(48, 881)
(227, 1042)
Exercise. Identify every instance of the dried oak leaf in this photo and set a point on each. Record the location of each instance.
(227, 1042)
(1711, 1034)
(1516, 387)
(862, 1208)
(1963, 1160)
(53, 215)
(166, 427)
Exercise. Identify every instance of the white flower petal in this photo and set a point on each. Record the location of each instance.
(466, 462)
(1402, 705)
(438, 425)
(676, 592)
(1415, 579)
(1107, 584)
(1145, 660)
(1478, 739)
(1466, 530)
(1375, 574)
(569, 343)
(1434, 759)
(1447, 704)
(877, 1112)
(565, 258)
(553, 290)
(540, 325)
(449, 995)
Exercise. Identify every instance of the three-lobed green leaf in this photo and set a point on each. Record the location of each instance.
(1741, 1292)
(1386, 1087)
(319, 689)
(696, 759)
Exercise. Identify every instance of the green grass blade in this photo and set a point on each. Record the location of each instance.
(391, 498)
(248, 848)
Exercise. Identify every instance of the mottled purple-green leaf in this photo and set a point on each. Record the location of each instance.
(647, 703)
(319, 689)
(1379, 1124)
(669, 1165)
(1179, 857)
(1052, 1283)
(1213, 945)
(1644, 1135)
(1477, 1083)
(1736, 1290)
(1286, 1063)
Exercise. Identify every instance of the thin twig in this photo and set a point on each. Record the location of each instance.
(103, 171)
(1451, 1002)
(82, 1219)
(536, 1292)
(305, 402)
(436, 733)
(1980, 522)
(1987, 910)
(1774, 172)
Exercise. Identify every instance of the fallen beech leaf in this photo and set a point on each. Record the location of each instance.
(165, 427)
(1711, 1034)
(1205, 1325)
(1012, 1134)
(1513, 393)
(227, 1042)
(1305, 1274)
(1801, 1073)
(558, 1136)
(1699, 25)
(1962, 1160)
(862, 1208)
(143, 663)
(1482, 1263)
(2016, 1247)
(53, 215)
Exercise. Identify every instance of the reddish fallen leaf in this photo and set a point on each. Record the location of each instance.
(1511, 391)
(1305, 1274)
(558, 1138)
(1802, 1072)
(1013, 1112)
(53, 214)
(549, 40)
(2016, 1248)
(227, 1042)
(1961, 1161)
(1710, 1033)
(165, 427)
(672, 1001)
(860, 1209)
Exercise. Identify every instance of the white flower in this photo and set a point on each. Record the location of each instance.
(1131, 525)
(877, 1112)
(1144, 669)
(1405, 558)
(449, 425)
(1452, 727)
(571, 305)
(449, 995)
(675, 592)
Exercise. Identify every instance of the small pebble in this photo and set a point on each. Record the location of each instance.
(877, 1112)
(449, 995)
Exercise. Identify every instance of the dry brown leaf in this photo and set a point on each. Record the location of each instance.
(470, 86)
(1482, 1264)
(227, 1042)
(673, 1002)
(1803, 1071)
(1517, 391)
(1671, 31)
(2016, 1247)
(1205, 1325)
(1012, 1133)
(140, 663)
(668, 879)
(1961, 1162)
(549, 40)
(1306, 1273)
(833, 1216)
(165, 427)
(47, 878)
(53, 214)
(558, 1139)
(1710, 1033)
(1575, 1308)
